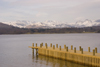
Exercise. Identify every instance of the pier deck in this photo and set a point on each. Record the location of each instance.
(79, 56)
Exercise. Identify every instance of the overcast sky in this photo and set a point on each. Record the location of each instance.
(41, 10)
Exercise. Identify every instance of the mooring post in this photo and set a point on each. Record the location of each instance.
(51, 45)
(46, 45)
(74, 49)
(95, 49)
(36, 49)
(36, 44)
(41, 44)
(93, 52)
(64, 46)
(71, 47)
(67, 49)
(33, 48)
(88, 49)
(80, 48)
(59, 47)
(32, 44)
(56, 45)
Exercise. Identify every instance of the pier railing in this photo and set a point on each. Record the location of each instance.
(78, 56)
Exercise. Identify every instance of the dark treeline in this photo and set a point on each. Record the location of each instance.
(7, 29)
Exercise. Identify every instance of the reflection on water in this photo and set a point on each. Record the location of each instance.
(53, 62)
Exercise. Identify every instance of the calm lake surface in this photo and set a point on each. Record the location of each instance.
(14, 51)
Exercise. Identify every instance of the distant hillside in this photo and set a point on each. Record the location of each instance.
(5, 26)
(8, 29)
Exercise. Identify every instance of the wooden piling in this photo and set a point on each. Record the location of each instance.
(67, 48)
(64, 46)
(59, 47)
(33, 48)
(32, 44)
(36, 44)
(80, 48)
(96, 50)
(88, 49)
(51, 45)
(71, 47)
(74, 49)
(36, 51)
(46, 45)
(41, 44)
(56, 45)
(93, 52)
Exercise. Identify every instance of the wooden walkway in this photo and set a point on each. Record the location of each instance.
(79, 56)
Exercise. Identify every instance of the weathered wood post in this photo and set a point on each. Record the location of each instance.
(67, 48)
(80, 48)
(93, 52)
(51, 45)
(46, 45)
(74, 49)
(56, 52)
(59, 47)
(59, 52)
(45, 51)
(36, 44)
(71, 47)
(41, 44)
(88, 49)
(53, 51)
(33, 48)
(40, 51)
(64, 46)
(56, 45)
(96, 50)
(36, 49)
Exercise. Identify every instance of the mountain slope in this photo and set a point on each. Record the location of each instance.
(5, 26)
(8, 29)
(53, 24)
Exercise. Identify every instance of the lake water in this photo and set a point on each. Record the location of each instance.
(14, 51)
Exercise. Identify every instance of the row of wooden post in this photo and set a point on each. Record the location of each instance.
(81, 49)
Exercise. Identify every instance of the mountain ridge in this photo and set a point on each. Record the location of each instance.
(53, 24)
(8, 29)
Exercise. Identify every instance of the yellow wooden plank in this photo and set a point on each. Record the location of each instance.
(76, 56)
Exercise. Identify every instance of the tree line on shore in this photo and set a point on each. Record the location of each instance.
(7, 29)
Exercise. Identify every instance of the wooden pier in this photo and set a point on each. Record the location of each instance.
(78, 56)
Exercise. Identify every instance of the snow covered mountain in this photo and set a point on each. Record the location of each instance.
(18, 23)
(86, 23)
(48, 24)
(53, 24)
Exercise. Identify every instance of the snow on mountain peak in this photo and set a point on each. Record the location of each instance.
(52, 24)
